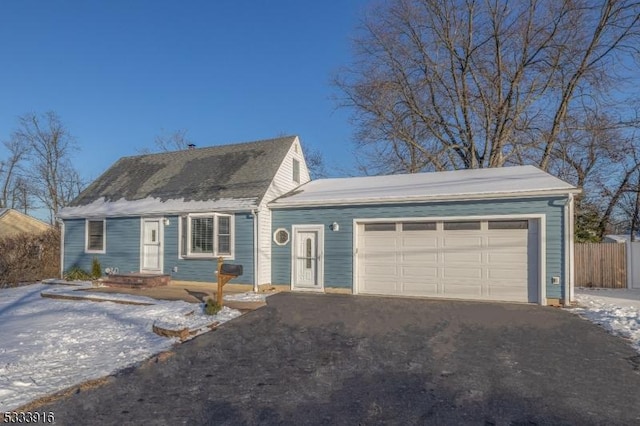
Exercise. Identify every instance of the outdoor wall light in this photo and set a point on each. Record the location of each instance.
(167, 222)
(334, 226)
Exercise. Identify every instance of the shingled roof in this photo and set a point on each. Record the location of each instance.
(233, 175)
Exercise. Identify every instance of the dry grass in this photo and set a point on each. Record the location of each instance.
(65, 393)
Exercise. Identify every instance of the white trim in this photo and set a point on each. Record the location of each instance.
(542, 232)
(283, 204)
(572, 264)
(161, 225)
(275, 240)
(214, 255)
(319, 256)
(104, 236)
(256, 251)
(61, 248)
(542, 259)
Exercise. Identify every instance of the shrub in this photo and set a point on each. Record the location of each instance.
(96, 269)
(76, 273)
(211, 307)
(28, 257)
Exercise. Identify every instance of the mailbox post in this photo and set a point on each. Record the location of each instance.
(226, 272)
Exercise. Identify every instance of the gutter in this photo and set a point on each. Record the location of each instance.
(423, 199)
(155, 213)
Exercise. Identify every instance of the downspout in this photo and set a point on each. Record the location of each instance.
(254, 213)
(569, 250)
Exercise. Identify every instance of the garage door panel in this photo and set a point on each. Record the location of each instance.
(419, 288)
(513, 293)
(418, 240)
(381, 270)
(462, 258)
(419, 272)
(487, 264)
(419, 256)
(513, 274)
(461, 289)
(459, 273)
(381, 286)
(380, 245)
(515, 259)
(461, 242)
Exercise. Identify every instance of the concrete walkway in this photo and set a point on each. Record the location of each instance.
(192, 293)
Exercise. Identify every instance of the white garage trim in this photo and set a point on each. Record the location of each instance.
(541, 243)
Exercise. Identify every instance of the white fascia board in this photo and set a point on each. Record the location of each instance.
(153, 206)
(406, 200)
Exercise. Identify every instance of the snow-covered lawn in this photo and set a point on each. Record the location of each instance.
(52, 344)
(617, 310)
(248, 296)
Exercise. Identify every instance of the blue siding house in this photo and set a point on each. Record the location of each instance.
(489, 234)
(501, 234)
(177, 212)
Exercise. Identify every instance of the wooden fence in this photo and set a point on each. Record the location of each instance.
(601, 265)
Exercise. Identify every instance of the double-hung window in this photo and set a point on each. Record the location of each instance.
(95, 231)
(207, 235)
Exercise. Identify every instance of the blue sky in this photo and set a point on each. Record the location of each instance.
(118, 72)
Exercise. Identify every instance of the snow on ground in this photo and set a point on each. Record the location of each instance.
(617, 310)
(249, 296)
(51, 344)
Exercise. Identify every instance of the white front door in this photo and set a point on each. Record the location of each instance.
(151, 250)
(307, 256)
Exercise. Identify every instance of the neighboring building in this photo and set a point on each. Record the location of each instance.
(12, 223)
(489, 234)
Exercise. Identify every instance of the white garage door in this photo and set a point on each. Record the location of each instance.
(472, 259)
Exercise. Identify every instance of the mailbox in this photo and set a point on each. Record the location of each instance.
(231, 269)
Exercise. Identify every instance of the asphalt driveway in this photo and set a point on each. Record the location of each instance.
(333, 359)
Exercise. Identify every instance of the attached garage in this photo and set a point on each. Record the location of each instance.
(473, 258)
(491, 234)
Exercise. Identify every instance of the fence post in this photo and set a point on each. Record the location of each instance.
(629, 246)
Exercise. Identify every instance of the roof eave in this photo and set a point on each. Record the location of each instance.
(423, 199)
(63, 216)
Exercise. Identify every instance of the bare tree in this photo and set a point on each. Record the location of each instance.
(165, 141)
(9, 167)
(172, 141)
(50, 145)
(448, 84)
(22, 195)
(315, 162)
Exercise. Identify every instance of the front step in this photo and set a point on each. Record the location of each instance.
(136, 280)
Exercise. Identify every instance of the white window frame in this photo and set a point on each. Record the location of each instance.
(275, 236)
(187, 254)
(104, 236)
